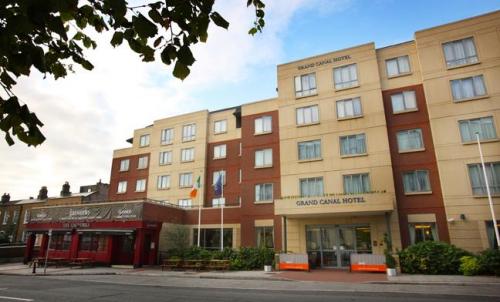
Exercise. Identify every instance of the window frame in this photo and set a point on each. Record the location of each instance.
(414, 173)
(266, 231)
(263, 120)
(162, 157)
(493, 180)
(142, 162)
(344, 176)
(142, 181)
(122, 185)
(407, 131)
(186, 174)
(308, 143)
(303, 114)
(187, 151)
(263, 186)
(163, 135)
(159, 182)
(475, 96)
(220, 122)
(481, 137)
(466, 58)
(305, 93)
(264, 165)
(121, 165)
(185, 203)
(192, 132)
(354, 83)
(220, 148)
(404, 100)
(310, 179)
(352, 100)
(400, 73)
(144, 140)
(349, 137)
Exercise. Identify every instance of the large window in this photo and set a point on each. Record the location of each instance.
(404, 101)
(220, 126)
(263, 192)
(352, 144)
(356, 183)
(307, 115)
(477, 178)
(142, 163)
(460, 52)
(93, 242)
(490, 233)
(422, 232)
(311, 187)
(122, 187)
(220, 151)
(484, 126)
(305, 85)
(185, 203)
(60, 242)
(416, 181)
(468, 88)
(165, 158)
(263, 125)
(188, 132)
(144, 140)
(140, 185)
(349, 108)
(309, 150)
(124, 165)
(264, 158)
(185, 180)
(409, 140)
(216, 174)
(26, 216)
(265, 237)
(210, 238)
(187, 154)
(345, 76)
(15, 216)
(167, 136)
(6, 217)
(163, 182)
(397, 66)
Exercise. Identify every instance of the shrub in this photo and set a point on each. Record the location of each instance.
(433, 258)
(469, 265)
(489, 260)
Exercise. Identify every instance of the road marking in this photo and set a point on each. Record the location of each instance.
(14, 298)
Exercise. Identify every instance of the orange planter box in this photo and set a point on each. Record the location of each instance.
(368, 268)
(294, 266)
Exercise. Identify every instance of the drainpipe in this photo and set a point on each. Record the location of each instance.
(285, 243)
(388, 226)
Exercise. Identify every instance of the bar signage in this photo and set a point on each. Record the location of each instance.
(323, 62)
(124, 211)
(330, 201)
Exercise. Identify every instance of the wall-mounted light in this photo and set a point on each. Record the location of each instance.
(462, 217)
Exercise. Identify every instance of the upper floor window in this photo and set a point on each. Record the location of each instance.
(264, 158)
(311, 187)
(484, 126)
(6, 217)
(416, 181)
(124, 165)
(187, 154)
(185, 203)
(26, 216)
(307, 115)
(220, 126)
(220, 151)
(165, 158)
(142, 163)
(477, 178)
(460, 52)
(15, 216)
(404, 101)
(349, 108)
(163, 182)
(167, 136)
(188, 132)
(345, 76)
(122, 187)
(263, 192)
(356, 183)
(263, 124)
(409, 140)
(144, 140)
(353, 144)
(218, 202)
(217, 174)
(185, 180)
(305, 85)
(397, 66)
(468, 88)
(140, 185)
(309, 150)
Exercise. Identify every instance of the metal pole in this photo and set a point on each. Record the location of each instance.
(199, 218)
(222, 215)
(47, 253)
(490, 201)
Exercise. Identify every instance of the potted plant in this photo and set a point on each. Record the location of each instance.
(390, 261)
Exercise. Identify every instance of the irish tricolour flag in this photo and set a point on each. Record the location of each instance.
(196, 187)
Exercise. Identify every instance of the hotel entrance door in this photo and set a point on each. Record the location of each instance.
(332, 245)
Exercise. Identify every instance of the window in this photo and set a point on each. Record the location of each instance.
(263, 192)
(185, 180)
(308, 115)
(477, 178)
(484, 126)
(167, 136)
(397, 66)
(404, 101)
(6, 217)
(422, 232)
(263, 125)
(356, 183)
(409, 140)
(265, 237)
(188, 132)
(122, 187)
(142, 163)
(305, 85)
(210, 238)
(468, 88)
(26, 216)
(264, 158)
(218, 202)
(490, 233)
(460, 52)
(353, 144)
(124, 165)
(345, 76)
(220, 126)
(60, 242)
(93, 242)
(416, 181)
(311, 187)
(187, 154)
(163, 182)
(144, 140)
(220, 151)
(15, 216)
(216, 175)
(185, 203)
(309, 150)
(165, 158)
(349, 108)
(140, 185)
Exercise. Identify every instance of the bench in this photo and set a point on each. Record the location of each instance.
(218, 264)
(81, 262)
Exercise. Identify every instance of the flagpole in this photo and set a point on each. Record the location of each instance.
(222, 215)
(199, 218)
(495, 225)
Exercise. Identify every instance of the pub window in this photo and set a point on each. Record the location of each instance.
(404, 101)
(15, 216)
(476, 176)
(397, 66)
(93, 242)
(460, 52)
(345, 76)
(210, 238)
(265, 237)
(356, 183)
(309, 150)
(422, 232)
(311, 186)
(60, 242)
(6, 216)
(468, 88)
(26, 216)
(305, 85)
(484, 126)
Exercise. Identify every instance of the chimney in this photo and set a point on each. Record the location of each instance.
(42, 194)
(5, 197)
(65, 190)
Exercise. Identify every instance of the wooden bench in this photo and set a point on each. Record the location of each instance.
(81, 262)
(192, 264)
(218, 264)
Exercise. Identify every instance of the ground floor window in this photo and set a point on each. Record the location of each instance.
(210, 238)
(60, 242)
(265, 236)
(93, 242)
(424, 231)
(490, 231)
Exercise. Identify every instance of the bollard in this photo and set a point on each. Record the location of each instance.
(34, 266)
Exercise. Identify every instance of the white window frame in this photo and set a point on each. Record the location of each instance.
(399, 65)
(186, 180)
(360, 176)
(215, 175)
(308, 115)
(143, 162)
(140, 185)
(26, 216)
(124, 165)
(267, 158)
(167, 136)
(266, 125)
(220, 151)
(258, 190)
(482, 131)
(189, 132)
(351, 102)
(185, 203)
(187, 155)
(122, 187)
(165, 158)
(493, 179)
(218, 202)
(144, 140)
(476, 92)
(220, 126)
(314, 144)
(15, 216)
(347, 138)
(410, 132)
(300, 81)
(345, 83)
(163, 182)
(406, 97)
(317, 181)
(469, 58)
(415, 175)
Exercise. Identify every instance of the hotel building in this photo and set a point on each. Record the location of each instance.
(358, 144)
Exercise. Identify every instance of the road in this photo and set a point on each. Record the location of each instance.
(27, 288)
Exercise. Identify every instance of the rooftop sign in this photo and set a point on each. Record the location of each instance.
(323, 62)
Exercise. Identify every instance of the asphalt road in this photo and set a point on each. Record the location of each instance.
(26, 288)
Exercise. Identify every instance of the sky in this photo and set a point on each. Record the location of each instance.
(88, 114)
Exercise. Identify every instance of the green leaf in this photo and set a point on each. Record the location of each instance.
(181, 71)
(158, 41)
(119, 8)
(155, 16)
(252, 31)
(117, 38)
(165, 58)
(87, 65)
(144, 27)
(185, 55)
(218, 20)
